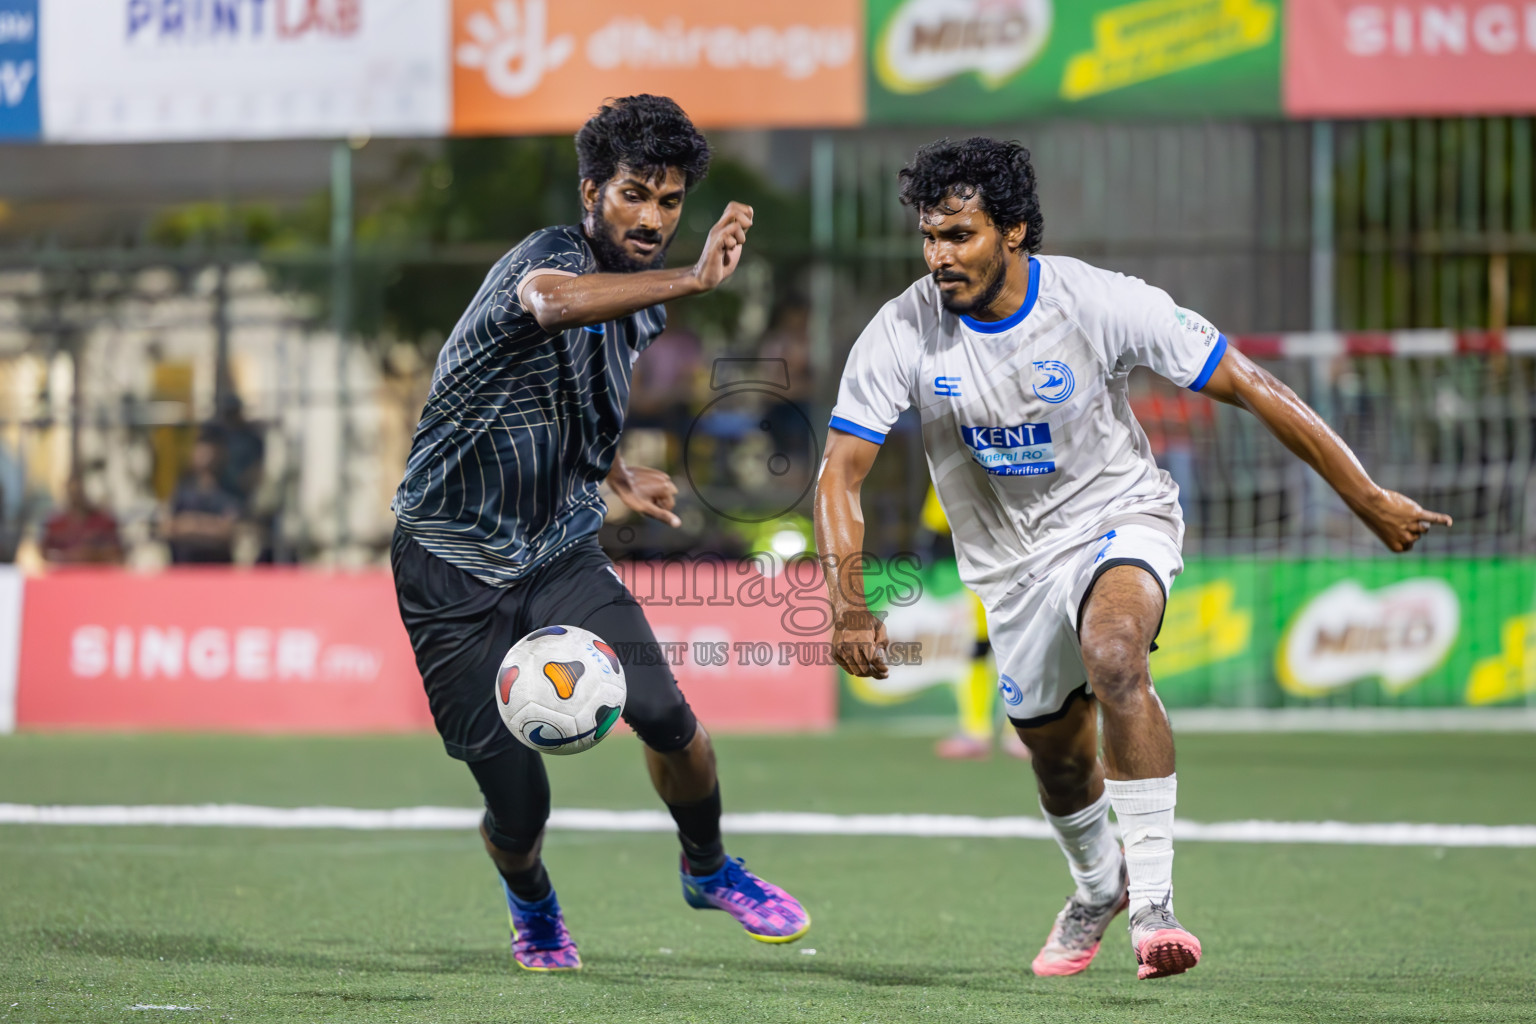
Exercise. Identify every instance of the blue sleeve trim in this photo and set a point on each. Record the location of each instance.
(850, 427)
(1211, 362)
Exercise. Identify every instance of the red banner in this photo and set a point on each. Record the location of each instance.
(751, 651)
(295, 651)
(260, 651)
(1345, 58)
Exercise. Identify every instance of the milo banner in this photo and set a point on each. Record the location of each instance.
(1249, 633)
(931, 620)
(978, 61)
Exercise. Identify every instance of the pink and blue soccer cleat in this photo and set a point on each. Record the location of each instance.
(768, 913)
(1076, 935)
(539, 939)
(1162, 946)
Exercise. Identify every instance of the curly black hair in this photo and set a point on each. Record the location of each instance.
(999, 172)
(644, 133)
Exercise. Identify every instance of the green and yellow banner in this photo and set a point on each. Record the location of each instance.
(981, 61)
(1249, 633)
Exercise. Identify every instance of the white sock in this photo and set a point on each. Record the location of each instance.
(1144, 808)
(1092, 853)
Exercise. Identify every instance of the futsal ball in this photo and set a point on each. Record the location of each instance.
(560, 689)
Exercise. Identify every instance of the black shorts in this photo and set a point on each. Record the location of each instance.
(461, 628)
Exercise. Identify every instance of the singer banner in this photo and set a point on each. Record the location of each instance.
(1344, 58)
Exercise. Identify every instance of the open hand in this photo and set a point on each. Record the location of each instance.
(722, 249)
(1399, 520)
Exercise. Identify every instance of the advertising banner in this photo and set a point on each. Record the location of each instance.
(1249, 633)
(1344, 58)
(977, 61)
(268, 651)
(19, 114)
(151, 70)
(529, 66)
(927, 611)
(1376, 632)
(293, 651)
(10, 643)
(749, 641)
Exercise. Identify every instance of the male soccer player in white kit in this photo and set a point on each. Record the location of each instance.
(1062, 522)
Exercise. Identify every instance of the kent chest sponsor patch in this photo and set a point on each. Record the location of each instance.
(1022, 450)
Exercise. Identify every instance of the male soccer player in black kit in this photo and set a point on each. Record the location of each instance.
(499, 510)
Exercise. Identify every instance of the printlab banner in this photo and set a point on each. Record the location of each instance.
(292, 651)
(523, 66)
(1344, 58)
(978, 61)
(1387, 632)
(152, 70)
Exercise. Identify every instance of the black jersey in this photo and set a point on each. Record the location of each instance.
(521, 424)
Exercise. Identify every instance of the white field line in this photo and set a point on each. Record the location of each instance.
(780, 823)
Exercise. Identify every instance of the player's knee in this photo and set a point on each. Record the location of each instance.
(1063, 774)
(515, 834)
(1116, 660)
(665, 726)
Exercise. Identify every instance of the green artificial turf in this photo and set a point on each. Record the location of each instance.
(251, 925)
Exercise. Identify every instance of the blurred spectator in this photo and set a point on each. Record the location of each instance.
(242, 461)
(242, 450)
(203, 515)
(13, 492)
(1170, 417)
(81, 533)
(789, 341)
(666, 376)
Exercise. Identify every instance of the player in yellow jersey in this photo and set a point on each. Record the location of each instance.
(976, 688)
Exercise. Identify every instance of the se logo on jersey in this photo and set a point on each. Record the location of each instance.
(1023, 450)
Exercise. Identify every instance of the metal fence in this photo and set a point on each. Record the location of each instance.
(112, 363)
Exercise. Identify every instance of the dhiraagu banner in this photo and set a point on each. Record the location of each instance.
(1376, 632)
(978, 61)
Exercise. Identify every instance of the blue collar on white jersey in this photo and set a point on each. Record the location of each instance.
(1010, 322)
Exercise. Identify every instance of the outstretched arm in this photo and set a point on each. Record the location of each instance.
(560, 301)
(1397, 519)
(858, 637)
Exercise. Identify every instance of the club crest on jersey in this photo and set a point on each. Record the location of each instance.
(1053, 381)
(1012, 695)
(1022, 450)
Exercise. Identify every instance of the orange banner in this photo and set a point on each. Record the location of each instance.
(529, 66)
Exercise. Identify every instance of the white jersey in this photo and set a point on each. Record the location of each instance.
(1027, 423)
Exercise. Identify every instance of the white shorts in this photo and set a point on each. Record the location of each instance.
(1034, 629)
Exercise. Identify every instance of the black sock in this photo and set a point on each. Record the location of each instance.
(698, 829)
(529, 885)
